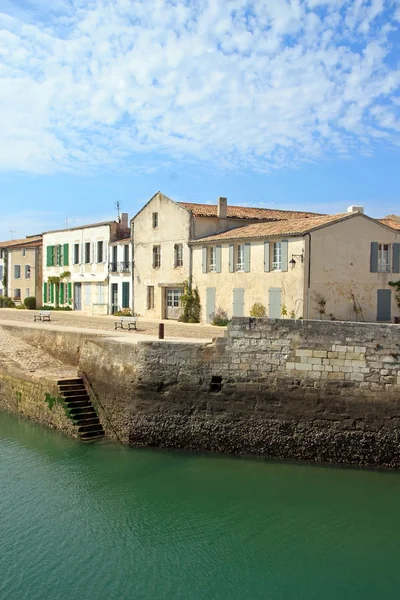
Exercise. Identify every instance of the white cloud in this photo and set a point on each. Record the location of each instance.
(244, 84)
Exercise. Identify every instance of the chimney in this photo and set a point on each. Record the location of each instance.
(222, 208)
(124, 221)
(353, 209)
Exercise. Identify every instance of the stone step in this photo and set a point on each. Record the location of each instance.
(72, 387)
(89, 436)
(93, 428)
(80, 418)
(69, 393)
(80, 410)
(87, 421)
(77, 398)
(82, 404)
(72, 381)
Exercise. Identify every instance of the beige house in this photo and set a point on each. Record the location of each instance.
(162, 253)
(22, 266)
(332, 266)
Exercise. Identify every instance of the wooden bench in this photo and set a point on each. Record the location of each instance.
(129, 321)
(42, 315)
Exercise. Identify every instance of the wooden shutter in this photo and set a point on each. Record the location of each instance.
(238, 302)
(396, 258)
(218, 251)
(266, 257)
(44, 292)
(69, 291)
(61, 294)
(284, 247)
(204, 259)
(374, 257)
(52, 293)
(231, 258)
(247, 257)
(66, 255)
(94, 252)
(48, 256)
(175, 255)
(125, 294)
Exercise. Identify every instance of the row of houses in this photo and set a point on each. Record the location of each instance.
(296, 264)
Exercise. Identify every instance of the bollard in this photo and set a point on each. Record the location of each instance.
(161, 331)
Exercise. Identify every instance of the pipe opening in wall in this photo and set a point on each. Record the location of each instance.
(216, 383)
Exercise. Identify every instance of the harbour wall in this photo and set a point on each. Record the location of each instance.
(310, 390)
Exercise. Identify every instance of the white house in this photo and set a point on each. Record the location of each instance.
(79, 256)
(120, 274)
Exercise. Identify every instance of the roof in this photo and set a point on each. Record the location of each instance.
(33, 240)
(80, 227)
(245, 212)
(391, 221)
(277, 228)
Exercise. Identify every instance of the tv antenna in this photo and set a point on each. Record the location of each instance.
(117, 206)
(11, 232)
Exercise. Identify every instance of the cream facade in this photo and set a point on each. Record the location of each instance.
(24, 270)
(120, 275)
(339, 270)
(3, 252)
(81, 256)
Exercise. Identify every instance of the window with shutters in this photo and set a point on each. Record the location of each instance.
(87, 252)
(150, 297)
(100, 293)
(277, 257)
(17, 294)
(17, 271)
(59, 256)
(178, 259)
(24, 252)
(240, 257)
(99, 252)
(76, 254)
(383, 258)
(156, 257)
(155, 220)
(212, 258)
(27, 271)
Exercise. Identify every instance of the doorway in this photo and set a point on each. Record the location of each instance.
(274, 303)
(384, 302)
(77, 296)
(114, 298)
(173, 308)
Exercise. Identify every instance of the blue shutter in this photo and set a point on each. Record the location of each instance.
(284, 247)
(374, 257)
(266, 256)
(238, 302)
(218, 258)
(247, 257)
(384, 305)
(231, 258)
(396, 258)
(204, 259)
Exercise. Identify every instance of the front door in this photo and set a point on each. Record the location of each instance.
(238, 302)
(210, 304)
(77, 296)
(384, 305)
(173, 303)
(274, 303)
(114, 298)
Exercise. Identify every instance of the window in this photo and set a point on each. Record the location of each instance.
(27, 292)
(88, 293)
(76, 254)
(156, 257)
(277, 257)
(174, 298)
(99, 252)
(24, 252)
(178, 260)
(155, 220)
(383, 258)
(212, 260)
(27, 271)
(100, 293)
(17, 294)
(17, 271)
(240, 257)
(150, 297)
(59, 255)
(125, 262)
(87, 252)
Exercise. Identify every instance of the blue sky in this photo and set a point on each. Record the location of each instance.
(277, 103)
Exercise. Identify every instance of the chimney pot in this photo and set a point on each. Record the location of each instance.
(222, 207)
(355, 208)
(124, 221)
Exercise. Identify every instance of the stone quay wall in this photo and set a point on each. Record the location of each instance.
(311, 390)
(34, 396)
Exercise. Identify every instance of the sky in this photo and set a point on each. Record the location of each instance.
(272, 103)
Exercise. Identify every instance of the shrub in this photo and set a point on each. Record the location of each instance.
(258, 310)
(124, 312)
(30, 302)
(45, 307)
(191, 305)
(6, 302)
(21, 307)
(220, 318)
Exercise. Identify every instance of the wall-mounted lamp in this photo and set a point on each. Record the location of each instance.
(292, 262)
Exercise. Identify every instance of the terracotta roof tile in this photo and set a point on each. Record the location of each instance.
(245, 212)
(276, 228)
(391, 222)
(28, 241)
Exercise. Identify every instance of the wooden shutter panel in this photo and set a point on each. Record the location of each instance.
(66, 255)
(49, 252)
(266, 257)
(204, 259)
(231, 258)
(94, 252)
(374, 258)
(52, 293)
(125, 294)
(396, 258)
(284, 247)
(247, 257)
(175, 255)
(44, 292)
(69, 291)
(61, 294)
(218, 251)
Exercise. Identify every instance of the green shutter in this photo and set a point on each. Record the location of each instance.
(69, 291)
(52, 293)
(49, 251)
(374, 257)
(61, 296)
(66, 257)
(44, 292)
(125, 294)
(52, 256)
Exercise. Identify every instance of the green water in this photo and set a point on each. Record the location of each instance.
(104, 522)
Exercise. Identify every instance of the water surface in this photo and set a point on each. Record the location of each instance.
(104, 522)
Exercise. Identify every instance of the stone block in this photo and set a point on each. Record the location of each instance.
(314, 361)
(338, 362)
(358, 363)
(333, 355)
(303, 352)
(335, 376)
(357, 377)
(319, 353)
(338, 348)
(318, 367)
(290, 365)
(354, 356)
(360, 349)
(302, 367)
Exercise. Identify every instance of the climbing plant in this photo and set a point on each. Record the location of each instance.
(357, 308)
(56, 280)
(5, 271)
(396, 286)
(191, 305)
(320, 301)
